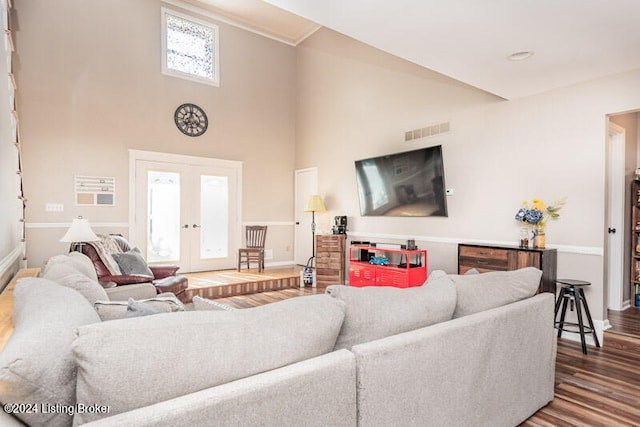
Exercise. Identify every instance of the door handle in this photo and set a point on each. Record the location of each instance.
(612, 230)
(196, 226)
(185, 226)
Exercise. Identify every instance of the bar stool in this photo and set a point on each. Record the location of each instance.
(572, 291)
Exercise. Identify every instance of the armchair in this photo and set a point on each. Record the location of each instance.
(163, 277)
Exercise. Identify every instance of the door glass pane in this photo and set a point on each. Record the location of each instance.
(214, 216)
(163, 216)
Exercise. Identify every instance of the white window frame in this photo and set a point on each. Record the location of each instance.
(215, 81)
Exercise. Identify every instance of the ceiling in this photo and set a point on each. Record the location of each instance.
(469, 40)
(258, 16)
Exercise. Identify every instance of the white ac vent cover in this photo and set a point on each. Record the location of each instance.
(433, 130)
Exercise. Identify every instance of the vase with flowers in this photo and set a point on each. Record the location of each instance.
(536, 215)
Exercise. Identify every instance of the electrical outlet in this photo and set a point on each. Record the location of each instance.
(268, 254)
(54, 207)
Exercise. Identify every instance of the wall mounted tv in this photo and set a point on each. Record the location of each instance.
(410, 183)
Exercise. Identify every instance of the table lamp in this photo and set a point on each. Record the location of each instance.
(79, 232)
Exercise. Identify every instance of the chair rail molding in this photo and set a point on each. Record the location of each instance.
(582, 250)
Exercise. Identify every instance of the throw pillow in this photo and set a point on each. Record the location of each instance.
(139, 309)
(375, 312)
(480, 292)
(113, 310)
(132, 263)
(208, 304)
(36, 365)
(66, 275)
(220, 347)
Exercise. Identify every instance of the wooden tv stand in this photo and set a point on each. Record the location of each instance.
(406, 268)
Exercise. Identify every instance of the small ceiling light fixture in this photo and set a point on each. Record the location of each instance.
(520, 56)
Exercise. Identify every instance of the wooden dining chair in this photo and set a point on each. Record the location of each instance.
(254, 248)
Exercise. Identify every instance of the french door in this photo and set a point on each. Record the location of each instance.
(186, 211)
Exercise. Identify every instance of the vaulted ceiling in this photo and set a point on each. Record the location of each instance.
(570, 41)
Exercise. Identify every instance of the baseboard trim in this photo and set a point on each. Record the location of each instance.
(599, 325)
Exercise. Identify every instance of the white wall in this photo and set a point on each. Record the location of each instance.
(355, 102)
(11, 206)
(91, 88)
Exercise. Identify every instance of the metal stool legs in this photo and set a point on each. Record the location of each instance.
(571, 294)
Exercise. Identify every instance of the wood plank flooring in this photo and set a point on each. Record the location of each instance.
(598, 389)
(225, 283)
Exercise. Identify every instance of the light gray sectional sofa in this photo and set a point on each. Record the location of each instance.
(461, 350)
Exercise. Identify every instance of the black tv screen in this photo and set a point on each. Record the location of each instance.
(403, 184)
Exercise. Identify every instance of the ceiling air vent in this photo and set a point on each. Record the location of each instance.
(432, 130)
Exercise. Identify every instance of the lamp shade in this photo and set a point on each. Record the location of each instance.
(314, 204)
(80, 231)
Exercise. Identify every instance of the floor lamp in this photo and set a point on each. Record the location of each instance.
(314, 204)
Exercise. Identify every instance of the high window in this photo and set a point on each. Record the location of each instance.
(189, 48)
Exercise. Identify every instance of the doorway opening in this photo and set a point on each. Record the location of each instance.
(622, 160)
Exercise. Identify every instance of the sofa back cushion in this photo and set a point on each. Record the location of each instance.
(375, 312)
(36, 365)
(68, 276)
(135, 362)
(480, 292)
(76, 260)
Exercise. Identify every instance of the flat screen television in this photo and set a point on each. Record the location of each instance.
(410, 183)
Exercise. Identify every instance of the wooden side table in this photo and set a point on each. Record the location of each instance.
(6, 304)
(330, 259)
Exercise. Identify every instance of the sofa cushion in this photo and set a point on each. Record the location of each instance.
(375, 312)
(200, 303)
(77, 260)
(113, 310)
(173, 354)
(36, 365)
(132, 263)
(66, 275)
(480, 292)
(135, 291)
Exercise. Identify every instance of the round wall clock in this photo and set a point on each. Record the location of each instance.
(191, 120)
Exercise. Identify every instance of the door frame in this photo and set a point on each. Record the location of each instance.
(235, 231)
(616, 184)
(309, 178)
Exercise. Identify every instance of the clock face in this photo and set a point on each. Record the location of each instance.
(191, 120)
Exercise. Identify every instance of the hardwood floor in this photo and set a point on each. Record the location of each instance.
(598, 389)
(262, 298)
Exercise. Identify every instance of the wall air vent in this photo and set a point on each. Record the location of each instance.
(432, 130)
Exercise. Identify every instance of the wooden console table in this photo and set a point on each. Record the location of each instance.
(503, 258)
(6, 304)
